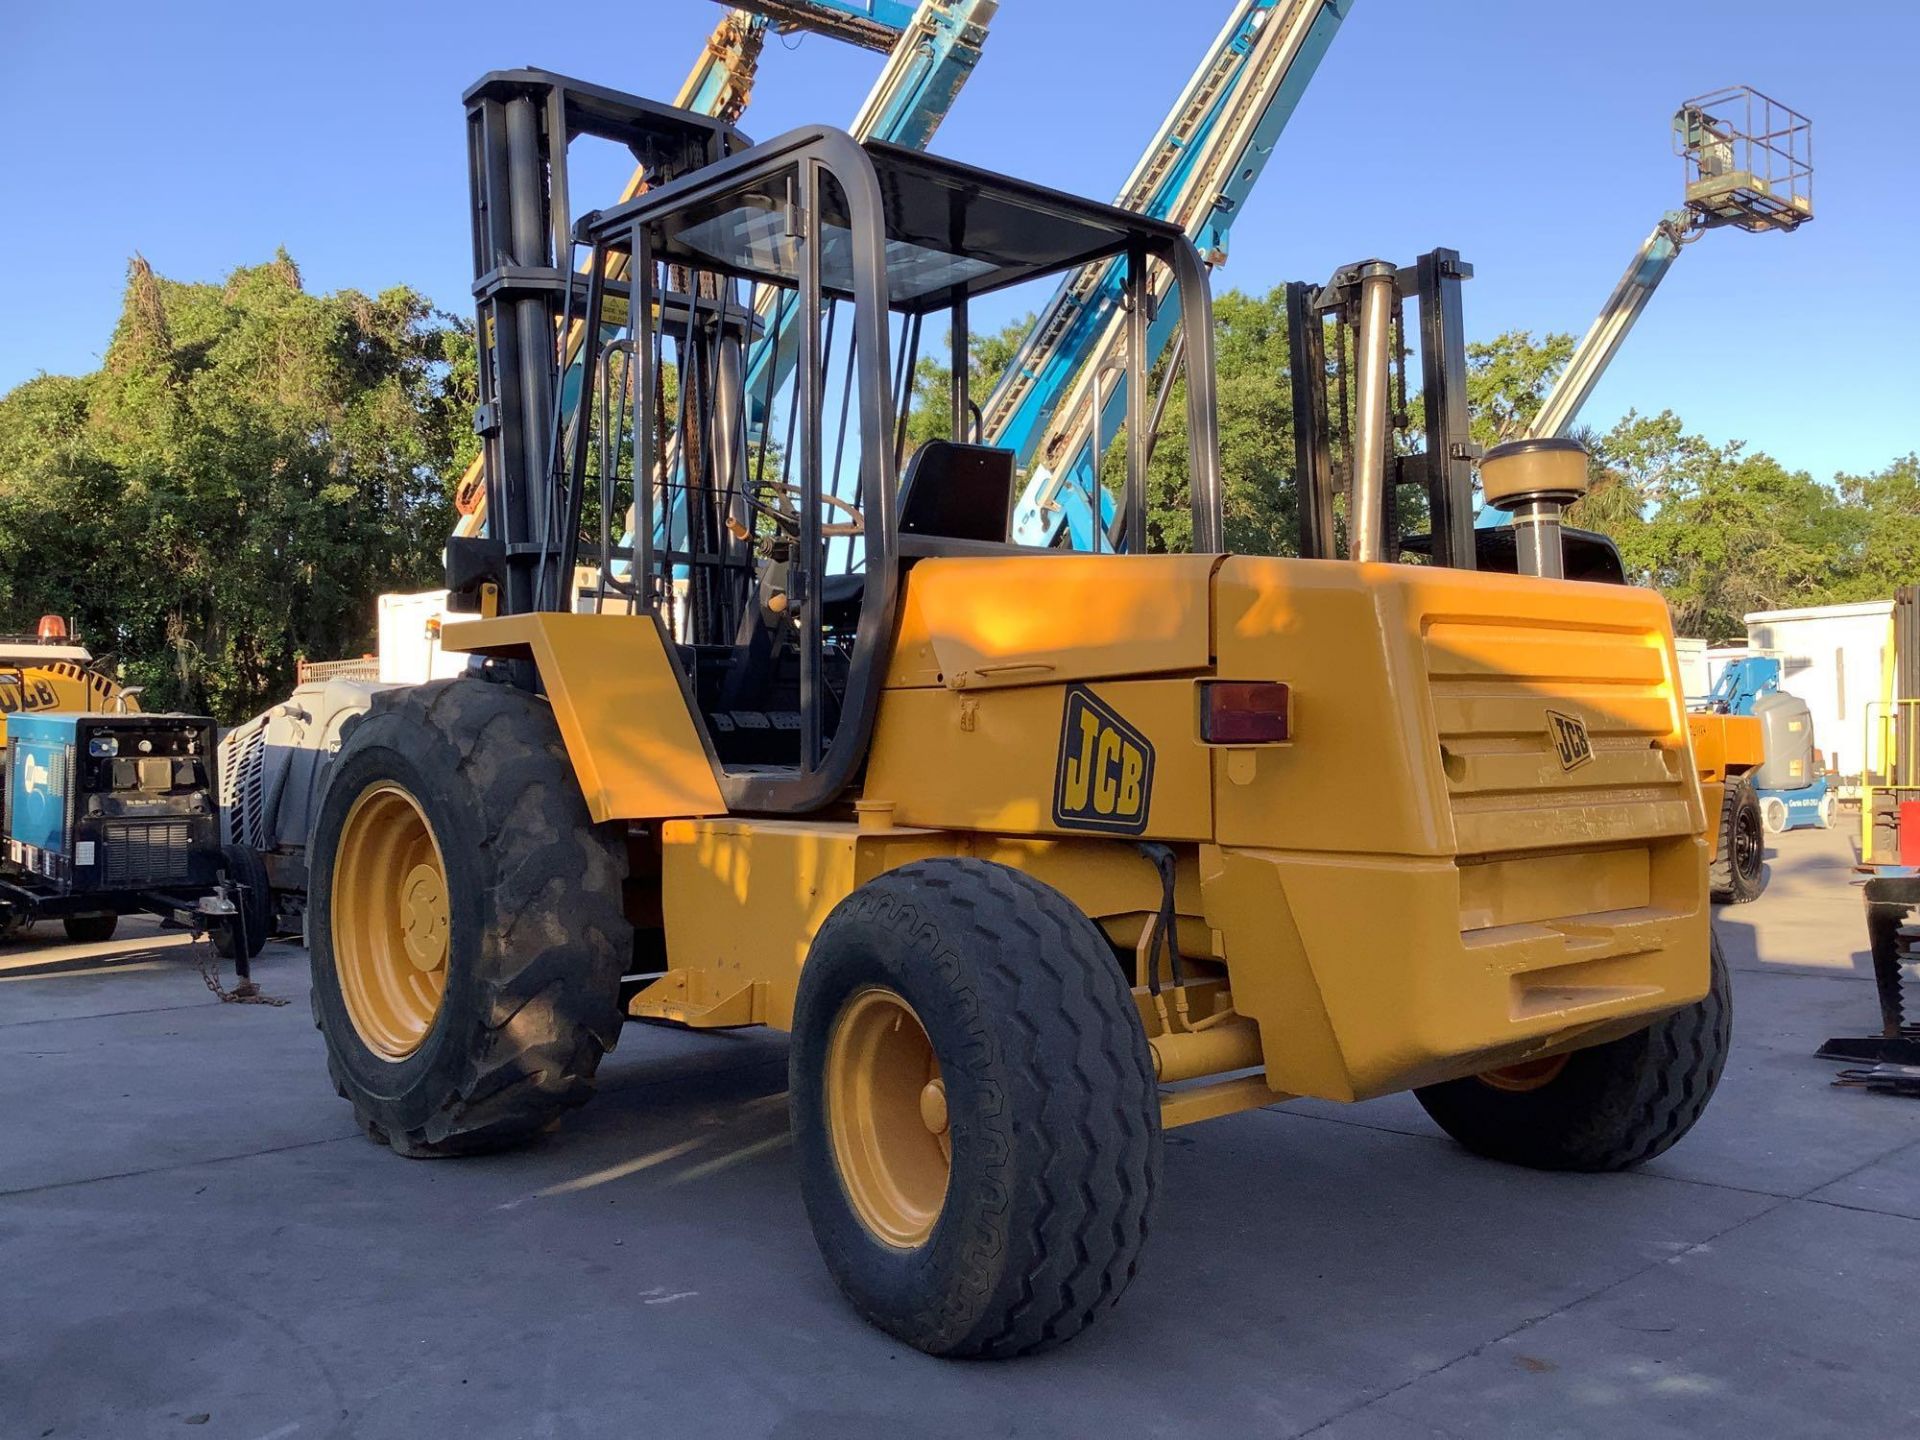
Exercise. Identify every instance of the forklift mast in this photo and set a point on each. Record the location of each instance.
(1354, 432)
(931, 50)
(519, 126)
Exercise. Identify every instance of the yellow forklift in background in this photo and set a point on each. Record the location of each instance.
(51, 670)
(1034, 853)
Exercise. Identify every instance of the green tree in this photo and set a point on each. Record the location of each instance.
(1256, 424)
(1720, 532)
(1885, 510)
(1509, 378)
(1255, 398)
(249, 468)
(989, 353)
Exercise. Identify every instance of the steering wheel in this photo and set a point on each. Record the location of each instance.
(854, 524)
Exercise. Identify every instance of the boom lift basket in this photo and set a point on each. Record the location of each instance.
(1749, 160)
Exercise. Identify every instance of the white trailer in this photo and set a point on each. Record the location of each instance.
(1830, 657)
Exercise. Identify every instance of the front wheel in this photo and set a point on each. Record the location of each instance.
(1607, 1107)
(974, 1109)
(467, 931)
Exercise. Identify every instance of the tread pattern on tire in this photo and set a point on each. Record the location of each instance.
(1095, 1146)
(1615, 1106)
(557, 940)
(1724, 883)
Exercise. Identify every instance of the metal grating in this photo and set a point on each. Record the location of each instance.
(152, 852)
(243, 755)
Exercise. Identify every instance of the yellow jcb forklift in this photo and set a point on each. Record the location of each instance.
(1033, 853)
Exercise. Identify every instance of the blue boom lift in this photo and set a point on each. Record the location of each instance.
(1792, 788)
(1064, 394)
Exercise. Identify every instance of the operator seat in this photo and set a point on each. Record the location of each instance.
(950, 492)
(958, 492)
(953, 498)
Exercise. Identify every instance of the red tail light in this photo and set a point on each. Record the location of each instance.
(1245, 712)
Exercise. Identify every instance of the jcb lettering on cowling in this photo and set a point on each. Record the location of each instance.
(17, 695)
(1104, 780)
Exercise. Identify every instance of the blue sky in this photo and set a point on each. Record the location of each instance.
(1532, 137)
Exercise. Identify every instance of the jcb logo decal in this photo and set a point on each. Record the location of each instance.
(17, 695)
(1570, 742)
(1105, 776)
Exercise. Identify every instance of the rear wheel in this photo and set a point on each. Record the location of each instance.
(1738, 871)
(1773, 814)
(1603, 1108)
(90, 929)
(974, 1109)
(467, 932)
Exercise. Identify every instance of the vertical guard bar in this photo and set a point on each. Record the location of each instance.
(581, 426)
(1203, 413)
(1133, 535)
(960, 365)
(808, 572)
(1448, 460)
(640, 322)
(1312, 457)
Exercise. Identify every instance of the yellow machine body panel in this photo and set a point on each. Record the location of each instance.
(1723, 746)
(619, 705)
(1435, 693)
(994, 760)
(974, 622)
(30, 685)
(743, 898)
(1483, 842)
(1485, 836)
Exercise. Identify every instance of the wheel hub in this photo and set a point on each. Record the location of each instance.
(1527, 1075)
(391, 921)
(1747, 844)
(887, 1117)
(933, 1106)
(424, 902)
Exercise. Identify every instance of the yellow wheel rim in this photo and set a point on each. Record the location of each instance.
(390, 921)
(1527, 1075)
(887, 1116)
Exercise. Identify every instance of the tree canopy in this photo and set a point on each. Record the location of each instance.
(250, 466)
